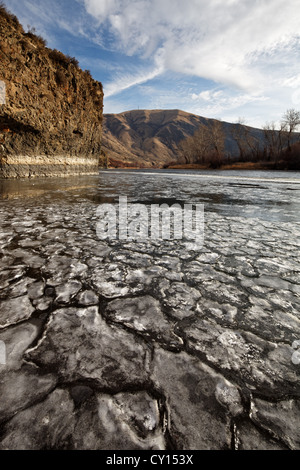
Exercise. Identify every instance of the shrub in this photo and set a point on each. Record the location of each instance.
(292, 156)
(39, 40)
(59, 57)
(74, 62)
(88, 73)
(8, 16)
(63, 59)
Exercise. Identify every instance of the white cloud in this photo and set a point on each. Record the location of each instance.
(207, 95)
(292, 81)
(126, 81)
(224, 41)
(211, 103)
(250, 49)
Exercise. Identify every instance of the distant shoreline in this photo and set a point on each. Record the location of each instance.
(241, 166)
(281, 166)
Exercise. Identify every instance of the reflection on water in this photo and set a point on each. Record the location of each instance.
(260, 194)
(15, 188)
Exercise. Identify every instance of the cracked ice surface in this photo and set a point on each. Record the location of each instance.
(155, 344)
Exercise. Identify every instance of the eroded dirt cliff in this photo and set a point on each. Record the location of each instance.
(51, 111)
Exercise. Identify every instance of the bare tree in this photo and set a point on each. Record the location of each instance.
(217, 139)
(239, 135)
(283, 137)
(291, 120)
(276, 140)
(207, 143)
(186, 149)
(195, 147)
(249, 145)
(272, 140)
(253, 146)
(201, 143)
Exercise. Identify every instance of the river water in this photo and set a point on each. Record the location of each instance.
(221, 317)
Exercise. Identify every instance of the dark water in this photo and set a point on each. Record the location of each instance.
(267, 195)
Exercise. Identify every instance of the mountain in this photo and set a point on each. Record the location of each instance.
(50, 110)
(146, 138)
(150, 138)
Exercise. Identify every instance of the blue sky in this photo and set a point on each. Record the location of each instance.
(225, 59)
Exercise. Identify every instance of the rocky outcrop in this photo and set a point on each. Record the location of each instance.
(50, 110)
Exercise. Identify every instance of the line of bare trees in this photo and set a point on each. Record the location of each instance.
(280, 141)
(207, 145)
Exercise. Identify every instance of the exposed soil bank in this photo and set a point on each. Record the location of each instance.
(50, 110)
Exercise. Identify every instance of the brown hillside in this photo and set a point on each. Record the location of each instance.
(146, 138)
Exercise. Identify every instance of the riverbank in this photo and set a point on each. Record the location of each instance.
(51, 111)
(16, 167)
(231, 166)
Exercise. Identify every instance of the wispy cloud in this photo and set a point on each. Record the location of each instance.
(217, 40)
(225, 58)
(126, 81)
(207, 95)
(213, 103)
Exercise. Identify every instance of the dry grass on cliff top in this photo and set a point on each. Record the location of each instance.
(9, 17)
(56, 56)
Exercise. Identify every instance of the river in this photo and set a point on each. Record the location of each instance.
(153, 343)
